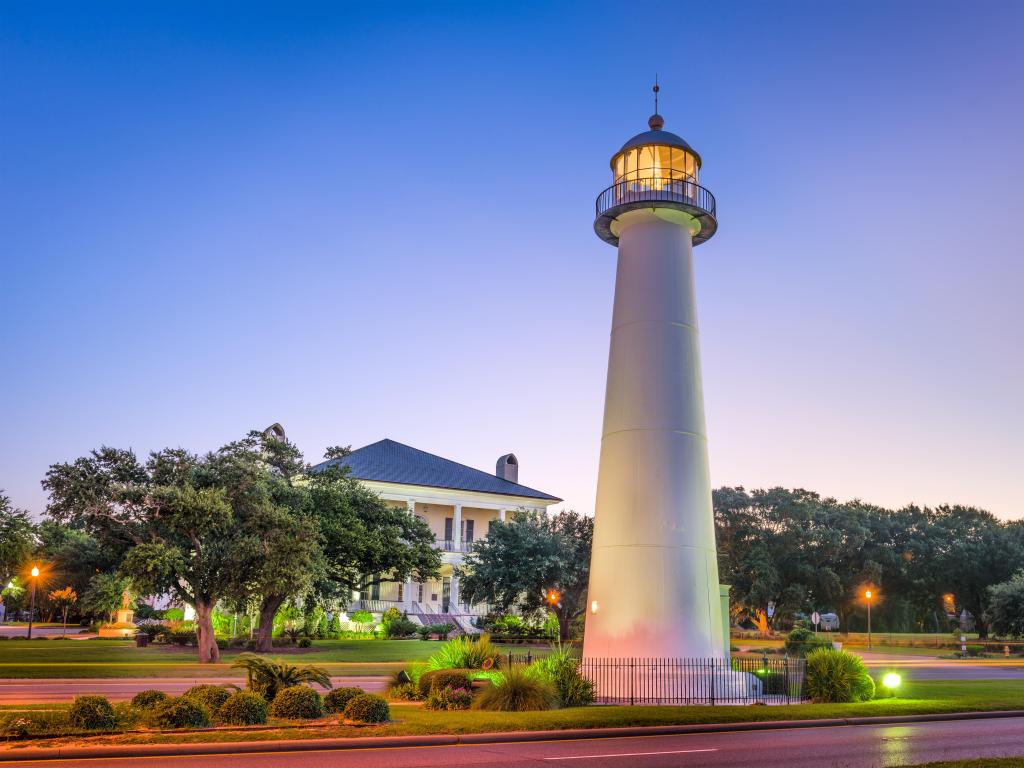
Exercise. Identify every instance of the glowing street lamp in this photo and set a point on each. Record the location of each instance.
(891, 682)
(867, 596)
(32, 599)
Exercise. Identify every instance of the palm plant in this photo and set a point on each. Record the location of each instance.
(466, 652)
(268, 677)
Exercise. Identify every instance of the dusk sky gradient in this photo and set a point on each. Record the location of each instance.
(375, 220)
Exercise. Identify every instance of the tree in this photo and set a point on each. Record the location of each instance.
(1005, 614)
(172, 518)
(283, 545)
(64, 599)
(366, 541)
(523, 561)
(970, 551)
(104, 594)
(73, 556)
(17, 539)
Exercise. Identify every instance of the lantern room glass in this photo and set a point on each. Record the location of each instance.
(655, 166)
(656, 172)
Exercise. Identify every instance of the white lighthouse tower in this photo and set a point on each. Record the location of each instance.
(654, 590)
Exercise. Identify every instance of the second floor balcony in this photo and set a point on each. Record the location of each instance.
(450, 545)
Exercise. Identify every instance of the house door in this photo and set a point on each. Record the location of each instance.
(446, 593)
(467, 531)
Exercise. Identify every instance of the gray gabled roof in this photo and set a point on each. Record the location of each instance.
(388, 461)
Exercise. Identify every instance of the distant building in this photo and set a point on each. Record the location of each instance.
(459, 504)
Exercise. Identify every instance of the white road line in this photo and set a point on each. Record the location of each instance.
(630, 754)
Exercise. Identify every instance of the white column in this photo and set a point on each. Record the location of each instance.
(407, 595)
(457, 530)
(654, 572)
(501, 514)
(453, 597)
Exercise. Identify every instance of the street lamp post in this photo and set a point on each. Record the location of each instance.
(32, 600)
(867, 596)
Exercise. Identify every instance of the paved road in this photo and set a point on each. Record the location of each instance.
(841, 747)
(930, 668)
(44, 691)
(74, 632)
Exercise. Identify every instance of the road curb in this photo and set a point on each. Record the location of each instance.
(449, 740)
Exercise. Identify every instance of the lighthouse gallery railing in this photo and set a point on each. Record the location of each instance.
(656, 189)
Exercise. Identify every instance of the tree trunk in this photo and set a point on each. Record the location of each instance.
(206, 640)
(64, 629)
(265, 633)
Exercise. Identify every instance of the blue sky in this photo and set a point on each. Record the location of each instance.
(375, 219)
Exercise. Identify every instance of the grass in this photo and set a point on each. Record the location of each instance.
(989, 762)
(121, 658)
(919, 698)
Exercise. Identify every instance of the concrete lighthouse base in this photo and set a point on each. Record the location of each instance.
(654, 590)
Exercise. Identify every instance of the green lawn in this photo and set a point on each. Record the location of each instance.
(120, 658)
(922, 697)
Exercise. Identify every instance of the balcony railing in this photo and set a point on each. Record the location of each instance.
(657, 189)
(449, 545)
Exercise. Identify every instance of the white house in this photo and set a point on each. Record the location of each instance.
(459, 503)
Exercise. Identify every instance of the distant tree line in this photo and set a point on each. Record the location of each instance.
(803, 552)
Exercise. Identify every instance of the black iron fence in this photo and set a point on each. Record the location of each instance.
(739, 680)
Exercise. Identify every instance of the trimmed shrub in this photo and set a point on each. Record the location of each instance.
(448, 698)
(515, 691)
(299, 702)
(837, 677)
(210, 696)
(182, 713)
(150, 699)
(305, 642)
(335, 700)
(92, 713)
(802, 641)
(243, 708)
(444, 678)
(368, 708)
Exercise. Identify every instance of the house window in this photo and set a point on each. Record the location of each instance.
(401, 592)
(419, 593)
(467, 530)
(375, 591)
(448, 526)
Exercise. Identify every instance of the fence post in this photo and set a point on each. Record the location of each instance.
(529, 657)
(510, 659)
(632, 678)
(712, 682)
(786, 678)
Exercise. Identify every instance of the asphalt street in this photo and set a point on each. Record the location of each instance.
(835, 747)
(930, 668)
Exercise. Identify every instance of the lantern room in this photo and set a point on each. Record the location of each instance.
(655, 158)
(657, 171)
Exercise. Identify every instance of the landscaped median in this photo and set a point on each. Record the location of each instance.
(927, 697)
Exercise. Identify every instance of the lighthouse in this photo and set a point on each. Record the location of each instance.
(654, 590)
